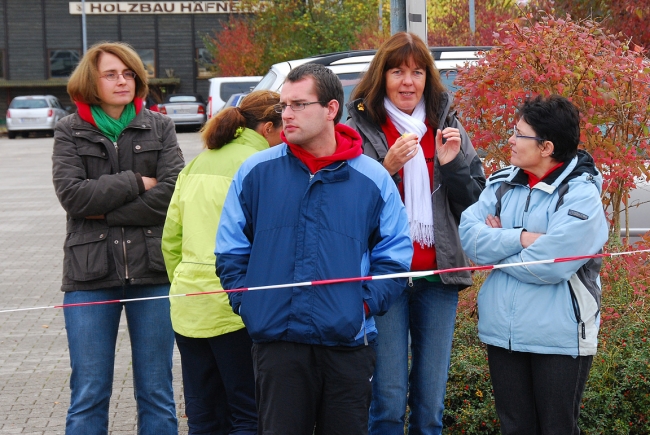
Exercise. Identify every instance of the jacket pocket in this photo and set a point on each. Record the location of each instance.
(153, 240)
(95, 158)
(86, 255)
(146, 156)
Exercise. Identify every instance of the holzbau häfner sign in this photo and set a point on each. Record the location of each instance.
(108, 8)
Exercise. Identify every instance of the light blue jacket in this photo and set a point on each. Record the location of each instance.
(549, 308)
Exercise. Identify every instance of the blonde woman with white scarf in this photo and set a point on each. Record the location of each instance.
(403, 113)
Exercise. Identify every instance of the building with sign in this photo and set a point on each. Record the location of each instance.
(42, 41)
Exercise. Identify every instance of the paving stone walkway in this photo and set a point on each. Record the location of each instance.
(34, 361)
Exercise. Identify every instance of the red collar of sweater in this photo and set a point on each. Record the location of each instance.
(348, 146)
(532, 179)
(86, 114)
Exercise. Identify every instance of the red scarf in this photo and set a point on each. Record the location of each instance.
(424, 258)
(348, 146)
(84, 112)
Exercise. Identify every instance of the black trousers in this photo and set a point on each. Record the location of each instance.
(218, 383)
(302, 386)
(538, 394)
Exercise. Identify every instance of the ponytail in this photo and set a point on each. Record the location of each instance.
(256, 107)
(222, 128)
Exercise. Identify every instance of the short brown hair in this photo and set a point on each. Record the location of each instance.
(82, 86)
(256, 107)
(327, 85)
(397, 50)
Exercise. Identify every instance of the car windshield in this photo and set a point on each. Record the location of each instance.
(182, 99)
(36, 103)
(266, 82)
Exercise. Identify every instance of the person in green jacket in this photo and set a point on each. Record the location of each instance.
(215, 348)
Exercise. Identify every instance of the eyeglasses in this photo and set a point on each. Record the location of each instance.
(128, 75)
(296, 107)
(521, 136)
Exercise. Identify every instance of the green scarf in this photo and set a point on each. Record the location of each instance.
(112, 127)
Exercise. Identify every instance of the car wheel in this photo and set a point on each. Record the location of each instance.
(11, 134)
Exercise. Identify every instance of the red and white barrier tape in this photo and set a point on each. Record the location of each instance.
(342, 280)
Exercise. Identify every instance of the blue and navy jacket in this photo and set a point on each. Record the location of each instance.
(281, 224)
(551, 308)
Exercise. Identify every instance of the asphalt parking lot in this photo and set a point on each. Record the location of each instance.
(34, 362)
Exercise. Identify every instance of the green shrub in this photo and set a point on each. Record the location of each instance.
(617, 398)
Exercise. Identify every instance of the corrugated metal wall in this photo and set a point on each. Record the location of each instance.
(29, 29)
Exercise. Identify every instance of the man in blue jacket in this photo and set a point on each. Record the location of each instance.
(312, 208)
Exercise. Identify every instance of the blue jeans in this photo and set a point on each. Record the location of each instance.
(92, 333)
(428, 311)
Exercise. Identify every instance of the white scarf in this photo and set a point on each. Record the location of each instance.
(417, 184)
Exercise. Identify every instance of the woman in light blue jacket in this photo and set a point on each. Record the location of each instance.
(539, 321)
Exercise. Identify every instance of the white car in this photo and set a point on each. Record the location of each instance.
(33, 113)
(221, 88)
(350, 65)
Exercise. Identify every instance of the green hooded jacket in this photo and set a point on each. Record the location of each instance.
(189, 235)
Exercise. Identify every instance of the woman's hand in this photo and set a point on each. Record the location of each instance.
(403, 150)
(526, 239)
(149, 182)
(449, 150)
(493, 221)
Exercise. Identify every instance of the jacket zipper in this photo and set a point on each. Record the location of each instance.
(523, 217)
(311, 177)
(576, 312)
(126, 264)
(530, 192)
(512, 309)
(365, 337)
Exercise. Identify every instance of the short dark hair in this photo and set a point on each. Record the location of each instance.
(556, 119)
(327, 85)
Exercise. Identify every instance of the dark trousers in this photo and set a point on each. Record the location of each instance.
(219, 384)
(299, 386)
(538, 394)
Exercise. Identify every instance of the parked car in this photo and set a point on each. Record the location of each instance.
(34, 113)
(222, 88)
(184, 109)
(234, 100)
(350, 65)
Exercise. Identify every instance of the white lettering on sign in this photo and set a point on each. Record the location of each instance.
(184, 7)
